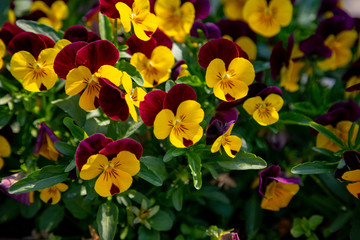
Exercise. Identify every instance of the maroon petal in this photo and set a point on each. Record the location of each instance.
(137, 45)
(7, 182)
(235, 29)
(26, 41)
(90, 146)
(264, 175)
(162, 39)
(65, 59)
(352, 159)
(226, 115)
(277, 59)
(314, 45)
(202, 8)
(216, 129)
(76, 33)
(219, 48)
(198, 25)
(289, 48)
(107, 7)
(92, 37)
(353, 70)
(177, 94)
(43, 128)
(175, 71)
(49, 43)
(96, 54)
(126, 144)
(151, 106)
(112, 101)
(213, 30)
(8, 31)
(355, 87)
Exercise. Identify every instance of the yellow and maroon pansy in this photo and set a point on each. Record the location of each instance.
(33, 60)
(153, 103)
(180, 117)
(81, 64)
(351, 172)
(277, 189)
(112, 162)
(45, 143)
(267, 17)
(52, 195)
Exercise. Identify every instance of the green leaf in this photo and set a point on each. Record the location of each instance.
(168, 85)
(149, 176)
(145, 234)
(155, 165)
(177, 199)
(4, 11)
(329, 134)
(32, 26)
(294, 118)
(316, 167)
(195, 167)
(242, 161)
(107, 220)
(324, 151)
(131, 70)
(74, 202)
(9, 209)
(191, 80)
(30, 211)
(65, 148)
(70, 166)
(75, 130)
(173, 152)
(297, 230)
(133, 128)
(70, 105)
(105, 28)
(306, 108)
(51, 217)
(261, 66)
(161, 221)
(315, 221)
(252, 214)
(5, 115)
(43, 178)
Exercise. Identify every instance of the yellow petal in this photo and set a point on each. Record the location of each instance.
(140, 6)
(162, 58)
(94, 166)
(5, 149)
(275, 101)
(87, 98)
(131, 107)
(353, 175)
(62, 187)
(59, 10)
(232, 145)
(278, 195)
(40, 6)
(185, 134)
(266, 116)
(347, 38)
(127, 83)
(233, 10)
(112, 181)
(248, 45)
(2, 48)
(264, 24)
(61, 44)
(125, 15)
(77, 79)
(1, 163)
(281, 11)
(354, 189)
(187, 16)
(50, 195)
(47, 148)
(164, 122)
(189, 111)
(36, 80)
(21, 64)
(138, 95)
(140, 61)
(241, 69)
(111, 73)
(216, 145)
(127, 162)
(251, 104)
(215, 72)
(253, 6)
(230, 89)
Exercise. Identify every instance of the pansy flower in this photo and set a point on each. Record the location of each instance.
(227, 71)
(338, 119)
(241, 34)
(282, 63)
(156, 68)
(219, 130)
(139, 16)
(277, 189)
(81, 64)
(77, 33)
(202, 8)
(180, 69)
(209, 29)
(33, 60)
(112, 162)
(7, 182)
(233, 9)
(351, 172)
(352, 78)
(175, 19)
(180, 118)
(267, 17)
(45, 143)
(264, 107)
(5, 150)
(52, 195)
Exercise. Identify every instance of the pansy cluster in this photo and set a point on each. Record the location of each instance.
(211, 87)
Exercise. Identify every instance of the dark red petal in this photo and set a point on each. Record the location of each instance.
(277, 59)
(90, 146)
(162, 39)
(355, 87)
(202, 8)
(187, 142)
(114, 189)
(264, 175)
(125, 144)
(151, 106)
(92, 37)
(137, 45)
(235, 29)
(289, 48)
(219, 48)
(177, 94)
(107, 7)
(26, 41)
(112, 102)
(76, 33)
(8, 31)
(65, 59)
(96, 54)
(49, 43)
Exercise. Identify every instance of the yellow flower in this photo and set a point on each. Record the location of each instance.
(183, 128)
(341, 131)
(52, 195)
(231, 84)
(139, 16)
(340, 46)
(55, 14)
(264, 112)
(233, 9)
(290, 76)
(115, 175)
(278, 195)
(155, 70)
(230, 143)
(268, 18)
(175, 20)
(5, 150)
(2, 53)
